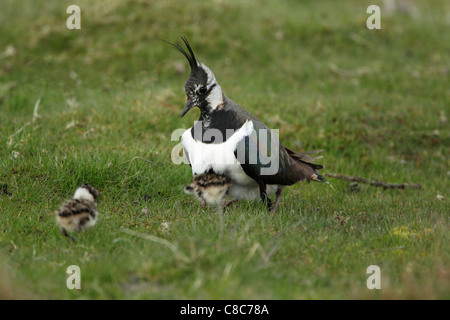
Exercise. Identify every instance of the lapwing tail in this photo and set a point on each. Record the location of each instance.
(319, 178)
(306, 158)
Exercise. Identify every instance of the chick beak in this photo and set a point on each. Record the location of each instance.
(189, 105)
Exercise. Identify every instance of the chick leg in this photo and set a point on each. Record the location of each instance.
(65, 234)
(229, 203)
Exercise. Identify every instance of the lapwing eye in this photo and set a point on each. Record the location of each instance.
(202, 90)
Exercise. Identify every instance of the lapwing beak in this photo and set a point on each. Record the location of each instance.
(189, 105)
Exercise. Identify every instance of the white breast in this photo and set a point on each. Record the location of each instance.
(221, 158)
(218, 156)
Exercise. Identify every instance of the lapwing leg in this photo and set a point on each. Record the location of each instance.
(65, 234)
(277, 200)
(263, 193)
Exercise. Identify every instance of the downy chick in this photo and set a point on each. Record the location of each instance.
(80, 212)
(210, 188)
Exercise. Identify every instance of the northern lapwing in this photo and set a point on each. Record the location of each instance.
(230, 141)
(210, 188)
(80, 212)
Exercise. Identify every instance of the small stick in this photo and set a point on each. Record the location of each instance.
(377, 183)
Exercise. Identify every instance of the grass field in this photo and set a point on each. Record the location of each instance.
(110, 97)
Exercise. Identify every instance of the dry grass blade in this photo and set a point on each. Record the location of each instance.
(160, 241)
(131, 161)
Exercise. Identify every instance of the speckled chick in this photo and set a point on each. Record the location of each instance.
(80, 212)
(210, 188)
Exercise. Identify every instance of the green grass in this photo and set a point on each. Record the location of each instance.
(376, 100)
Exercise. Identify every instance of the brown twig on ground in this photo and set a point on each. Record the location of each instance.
(382, 184)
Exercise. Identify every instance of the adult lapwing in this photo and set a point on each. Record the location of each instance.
(80, 212)
(230, 141)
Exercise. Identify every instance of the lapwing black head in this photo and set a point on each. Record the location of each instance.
(80, 212)
(201, 87)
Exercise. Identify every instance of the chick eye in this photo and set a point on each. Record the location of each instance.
(202, 90)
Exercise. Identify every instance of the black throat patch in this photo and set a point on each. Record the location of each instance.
(216, 127)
